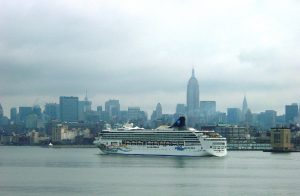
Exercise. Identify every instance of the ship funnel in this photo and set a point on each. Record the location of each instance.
(180, 123)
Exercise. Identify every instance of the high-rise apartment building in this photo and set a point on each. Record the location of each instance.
(68, 109)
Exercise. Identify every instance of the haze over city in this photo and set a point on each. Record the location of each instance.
(142, 52)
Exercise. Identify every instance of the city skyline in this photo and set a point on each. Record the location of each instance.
(142, 53)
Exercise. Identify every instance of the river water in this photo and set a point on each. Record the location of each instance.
(84, 171)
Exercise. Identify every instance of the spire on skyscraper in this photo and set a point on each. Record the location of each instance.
(86, 98)
(245, 106)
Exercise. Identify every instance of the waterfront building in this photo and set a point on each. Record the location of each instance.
(239, 137)
(233, 115)
(61, 133)
(291, 112)
(68, 109)
(34, 137)
(281, 139)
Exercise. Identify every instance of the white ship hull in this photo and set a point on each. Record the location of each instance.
(195, 151)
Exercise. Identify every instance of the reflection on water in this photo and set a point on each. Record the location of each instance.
(75, 171)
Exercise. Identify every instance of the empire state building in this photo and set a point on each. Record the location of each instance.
(192, 96)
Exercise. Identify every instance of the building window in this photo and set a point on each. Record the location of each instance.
(277, 138)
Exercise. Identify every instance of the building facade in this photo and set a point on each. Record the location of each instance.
(291, 112)
(68, 109)
(192, 96)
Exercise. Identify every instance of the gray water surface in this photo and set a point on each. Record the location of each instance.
(84, 171)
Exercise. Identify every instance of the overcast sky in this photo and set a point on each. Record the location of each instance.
(143, 52)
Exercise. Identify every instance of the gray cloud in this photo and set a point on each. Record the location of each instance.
(118, 49)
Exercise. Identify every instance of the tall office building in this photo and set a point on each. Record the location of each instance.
(192, 96)
(180, 109)
(244, 108)
(291, 112)
(84, 107)
(68, 109)
(24, 112)
(157, 113)
(52, 111)
(208, 108)
(158, 110)
(13, 114)
(1, 111)
(112, 107)
(133, 113)
(267, 119)
(37, 110)
(233, 115)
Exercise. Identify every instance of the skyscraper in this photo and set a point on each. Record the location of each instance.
(192, 96)
(52, 111)
(245, 107)
(1, 110)
(84, 107)
(233, 115)
(112, 107)
(13, 114)
(133, 113)
(180, 109)
(68, 109)
(291, 112)
(24, 112)
(157, 113)
(208, 108)
(158, 110)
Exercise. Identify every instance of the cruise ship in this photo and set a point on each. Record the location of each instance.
(175, 140)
